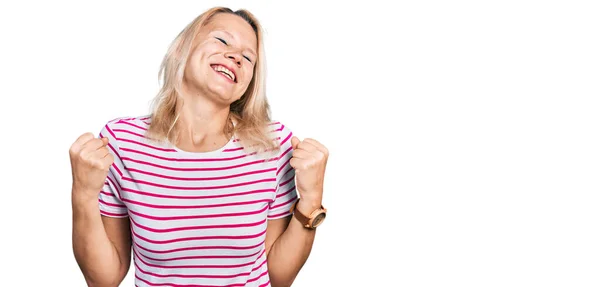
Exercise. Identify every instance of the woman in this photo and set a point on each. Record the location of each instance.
(204, 190)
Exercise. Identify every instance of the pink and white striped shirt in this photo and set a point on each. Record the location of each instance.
(197, 219)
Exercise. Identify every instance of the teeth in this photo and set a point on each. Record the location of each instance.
(227, 72)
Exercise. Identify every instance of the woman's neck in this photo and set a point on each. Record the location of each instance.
(201, 123)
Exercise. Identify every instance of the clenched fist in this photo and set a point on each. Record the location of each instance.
(90, 161)
(309, 159)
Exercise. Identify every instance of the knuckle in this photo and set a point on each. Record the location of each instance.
(86, 137)
(83, 155)
(73, 150)
(320, 156)
(95, 163)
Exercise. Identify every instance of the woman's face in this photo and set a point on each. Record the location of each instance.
(221, 62)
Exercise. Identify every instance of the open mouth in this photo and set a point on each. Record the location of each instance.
(230, 75)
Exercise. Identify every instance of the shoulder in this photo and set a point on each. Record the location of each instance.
(280, 132)
(125, 124)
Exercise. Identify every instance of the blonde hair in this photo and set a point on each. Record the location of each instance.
(251, 112)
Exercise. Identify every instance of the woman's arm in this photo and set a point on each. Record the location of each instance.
(288, 245)
(102, 245)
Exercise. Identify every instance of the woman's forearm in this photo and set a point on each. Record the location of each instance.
(291, 250)
(96, 255)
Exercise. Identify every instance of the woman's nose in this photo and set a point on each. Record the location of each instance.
(235, 56)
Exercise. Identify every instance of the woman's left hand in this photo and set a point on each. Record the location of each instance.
(309, 158)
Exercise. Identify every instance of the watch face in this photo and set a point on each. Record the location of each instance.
(318, 220)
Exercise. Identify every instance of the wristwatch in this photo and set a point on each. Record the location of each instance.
(311, 221)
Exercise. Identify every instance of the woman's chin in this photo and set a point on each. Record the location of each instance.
(222, 94)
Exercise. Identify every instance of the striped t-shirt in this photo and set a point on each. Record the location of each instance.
(197, 219)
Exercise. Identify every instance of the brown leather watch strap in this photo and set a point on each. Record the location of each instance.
(306, 221)
(301, 217)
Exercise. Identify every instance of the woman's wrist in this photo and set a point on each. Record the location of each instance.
(307, 205)
(83, 199)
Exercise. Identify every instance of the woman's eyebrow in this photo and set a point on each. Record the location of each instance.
(230, 35)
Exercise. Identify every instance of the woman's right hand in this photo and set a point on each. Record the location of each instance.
(90, 161)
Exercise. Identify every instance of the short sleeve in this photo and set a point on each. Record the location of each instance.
(109, 199)
(286, 193)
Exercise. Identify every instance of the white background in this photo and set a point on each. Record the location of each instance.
(464, 135)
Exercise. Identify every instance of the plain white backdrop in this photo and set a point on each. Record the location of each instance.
(464, 135)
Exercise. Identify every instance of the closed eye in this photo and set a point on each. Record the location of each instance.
(221, 40)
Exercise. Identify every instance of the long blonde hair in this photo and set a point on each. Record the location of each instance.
(251, 112)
